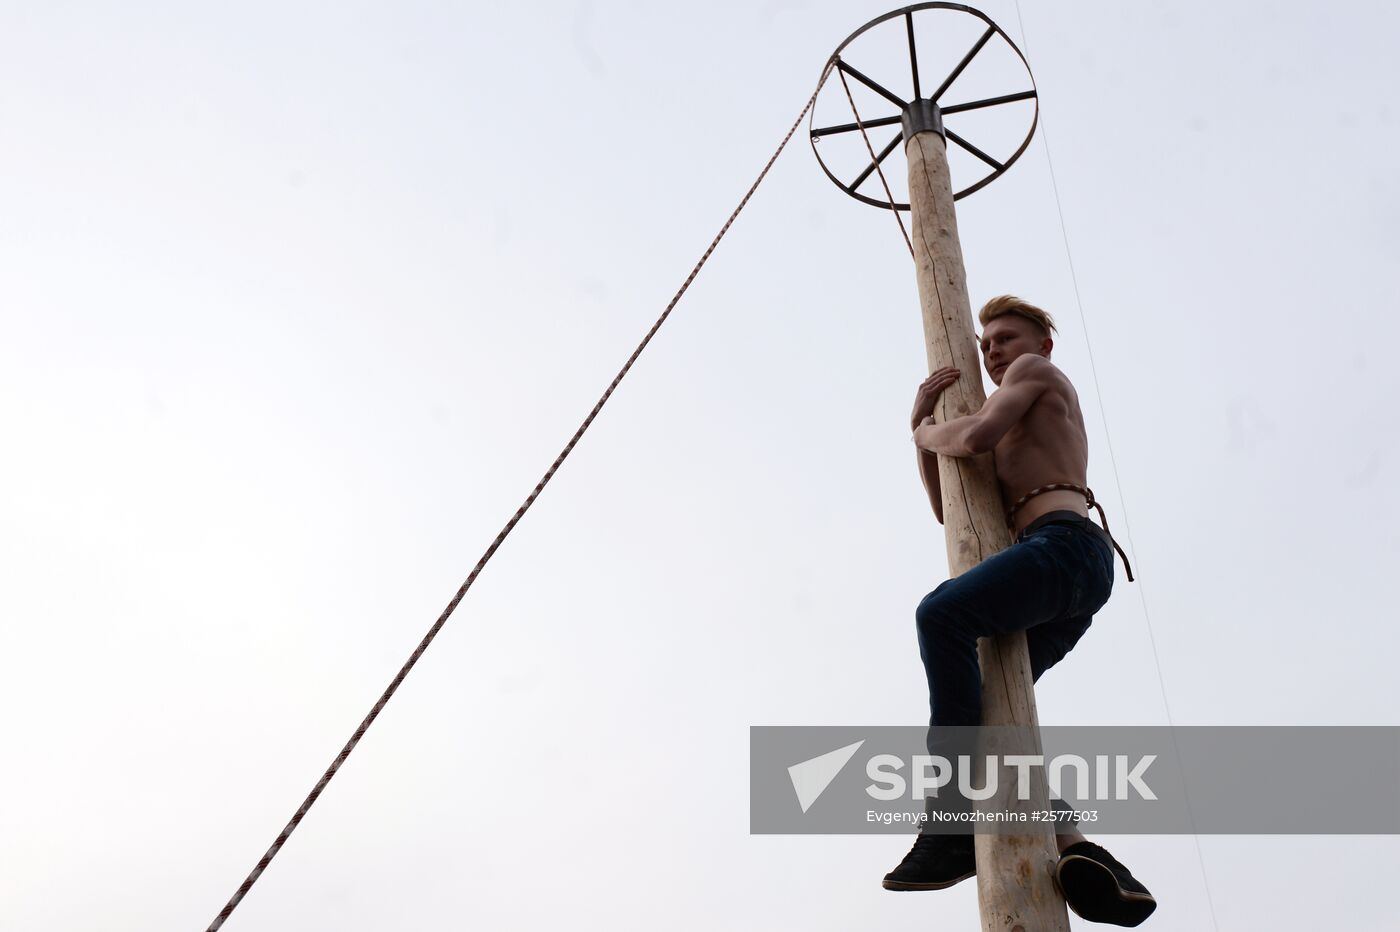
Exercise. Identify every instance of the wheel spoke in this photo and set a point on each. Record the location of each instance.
(850, 127)
(973, 149)
(882, 91)
(989, 102)
(878, 159)
(913, 55)
(991, 31)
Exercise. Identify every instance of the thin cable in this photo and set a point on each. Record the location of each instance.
(452, 605)
(1113, 461)
(875, 161)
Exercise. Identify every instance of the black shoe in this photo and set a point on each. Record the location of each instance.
(1100, 889)
(935, 862)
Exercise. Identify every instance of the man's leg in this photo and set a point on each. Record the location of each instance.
(1068, 835)
(1048, 643)
(1024, 586)
(1094, 883)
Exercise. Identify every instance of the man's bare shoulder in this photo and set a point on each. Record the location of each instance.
(1033, 367)
(1036, 373)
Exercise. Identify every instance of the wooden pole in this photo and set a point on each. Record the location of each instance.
(1015, 889)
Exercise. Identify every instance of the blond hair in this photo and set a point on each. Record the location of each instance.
(1010, 304)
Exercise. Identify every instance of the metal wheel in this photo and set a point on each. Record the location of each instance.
(948, 23)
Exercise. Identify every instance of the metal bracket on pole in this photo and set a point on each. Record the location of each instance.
(921, 116)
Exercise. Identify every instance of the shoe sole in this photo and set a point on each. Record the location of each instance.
(909, 885)
(1108, 902)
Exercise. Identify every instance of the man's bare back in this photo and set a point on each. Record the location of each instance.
(1032, 424)
(1048, 444)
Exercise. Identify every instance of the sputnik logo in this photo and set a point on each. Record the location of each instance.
(811, 777)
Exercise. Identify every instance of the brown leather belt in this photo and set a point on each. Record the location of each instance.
(1072, 518)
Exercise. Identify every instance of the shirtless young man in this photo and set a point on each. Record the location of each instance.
(1049, 583)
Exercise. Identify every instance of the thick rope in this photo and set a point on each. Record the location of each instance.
(1092, 502)
(476, 570)
(860, 125)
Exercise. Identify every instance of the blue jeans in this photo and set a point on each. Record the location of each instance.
(1049, 584)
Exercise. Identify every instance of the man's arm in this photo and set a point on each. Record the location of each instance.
(928, 471)
(925, 400)
(1025, 381)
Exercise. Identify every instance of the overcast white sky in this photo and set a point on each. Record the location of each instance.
(300, 300)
